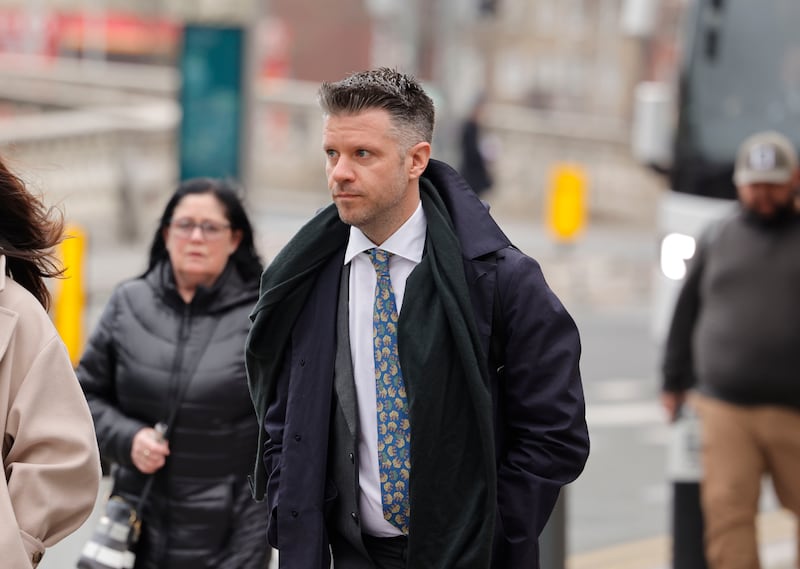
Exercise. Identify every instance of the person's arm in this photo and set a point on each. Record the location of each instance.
(50, 455)
(274, 425)
(542, 405)
(678, 362)
(96, 373)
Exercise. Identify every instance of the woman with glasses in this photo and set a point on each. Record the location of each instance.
(173, 339)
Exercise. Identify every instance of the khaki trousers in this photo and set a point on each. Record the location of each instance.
(740, 445)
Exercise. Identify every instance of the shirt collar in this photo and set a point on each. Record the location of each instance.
(407, 242)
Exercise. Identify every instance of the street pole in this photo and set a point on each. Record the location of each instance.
(685, 471)
(70, 297)
(687, 527)
(249, 87)
(553, 541)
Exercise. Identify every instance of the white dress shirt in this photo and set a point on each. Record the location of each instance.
(406, 245)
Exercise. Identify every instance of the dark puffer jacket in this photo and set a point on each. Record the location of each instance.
(200, 513)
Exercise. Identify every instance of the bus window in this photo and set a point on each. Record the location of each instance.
(748, 82)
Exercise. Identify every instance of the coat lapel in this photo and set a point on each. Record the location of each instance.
(344, 381)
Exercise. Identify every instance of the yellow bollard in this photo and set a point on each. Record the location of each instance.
(70, 299)
(566, 201)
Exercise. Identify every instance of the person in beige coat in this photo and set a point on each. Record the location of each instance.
(49, 450)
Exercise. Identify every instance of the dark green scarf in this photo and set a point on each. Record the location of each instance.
(453, 477)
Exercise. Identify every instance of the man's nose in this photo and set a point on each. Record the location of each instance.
(342, 171)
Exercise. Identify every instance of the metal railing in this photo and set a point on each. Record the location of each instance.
(108, 169)
(69, 83)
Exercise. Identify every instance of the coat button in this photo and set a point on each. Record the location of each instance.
(294, 513)
(302, 363)
(298, 438)
(354, 516)
(352, 458)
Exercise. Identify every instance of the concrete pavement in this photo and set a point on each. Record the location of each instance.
(776, 530)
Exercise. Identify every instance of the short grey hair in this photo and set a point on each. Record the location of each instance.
(401, 95)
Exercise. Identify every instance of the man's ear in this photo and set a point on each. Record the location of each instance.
(796, 179)
(419, 155)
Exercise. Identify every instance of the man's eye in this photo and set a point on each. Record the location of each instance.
(362, 153)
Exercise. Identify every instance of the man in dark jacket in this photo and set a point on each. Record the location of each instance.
(417, 380)
(472, 164)
(734, 339)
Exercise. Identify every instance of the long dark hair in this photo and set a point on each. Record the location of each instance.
(245, 258)
(28, 232)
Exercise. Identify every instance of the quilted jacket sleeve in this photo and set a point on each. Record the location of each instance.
(96, 373)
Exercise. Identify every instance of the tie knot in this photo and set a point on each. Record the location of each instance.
(380, 260)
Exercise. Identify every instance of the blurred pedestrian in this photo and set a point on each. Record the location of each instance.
(49, 451)
(175, 337)
(417, 380)
(473, 164)
(733, 340)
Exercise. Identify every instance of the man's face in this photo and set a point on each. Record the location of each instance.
(767, 201)
(373, 181)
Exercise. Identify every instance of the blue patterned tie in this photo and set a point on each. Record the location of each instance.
(394, 432)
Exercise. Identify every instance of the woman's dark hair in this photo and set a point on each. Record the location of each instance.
(245, 258)
(28, 232)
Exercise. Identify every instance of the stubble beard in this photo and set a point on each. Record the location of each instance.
(374, 218)
(782, 213)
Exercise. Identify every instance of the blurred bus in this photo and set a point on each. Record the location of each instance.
(739, 74)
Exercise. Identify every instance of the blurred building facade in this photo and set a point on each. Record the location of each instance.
(565, 55)
(559, 76)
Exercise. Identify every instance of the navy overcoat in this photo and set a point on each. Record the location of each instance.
(540, 429)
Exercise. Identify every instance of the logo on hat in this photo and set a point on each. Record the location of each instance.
(762, 157)
(765, 158)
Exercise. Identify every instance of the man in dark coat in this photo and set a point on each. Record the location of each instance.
(417, 380)
(472, 163)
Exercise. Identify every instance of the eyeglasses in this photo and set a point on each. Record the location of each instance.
(211, 231)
